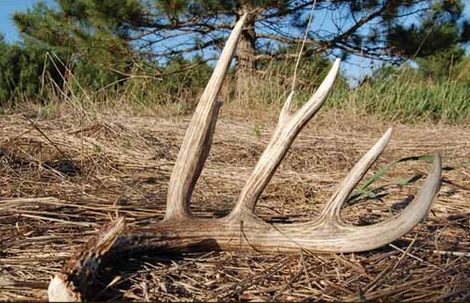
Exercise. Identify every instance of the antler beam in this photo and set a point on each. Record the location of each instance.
(180, 231)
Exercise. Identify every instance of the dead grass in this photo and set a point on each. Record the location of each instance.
(60, 179)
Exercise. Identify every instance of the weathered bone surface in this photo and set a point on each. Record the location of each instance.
(180, 231)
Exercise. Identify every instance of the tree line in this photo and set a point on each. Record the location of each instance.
(103, 43)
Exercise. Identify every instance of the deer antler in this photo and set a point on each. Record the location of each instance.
(180, 231)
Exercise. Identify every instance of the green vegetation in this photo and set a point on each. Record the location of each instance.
(94, 51)
(22, 67)
(408, 96)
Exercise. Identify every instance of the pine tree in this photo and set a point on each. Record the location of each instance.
(437, 42)
(22, 66)
(113, 35)
(91, 34)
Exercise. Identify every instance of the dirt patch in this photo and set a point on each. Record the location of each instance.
(61, 179)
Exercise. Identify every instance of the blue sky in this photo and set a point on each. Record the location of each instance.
(7, 8)
(356, 68)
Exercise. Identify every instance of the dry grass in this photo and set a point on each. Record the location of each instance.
(60, 179)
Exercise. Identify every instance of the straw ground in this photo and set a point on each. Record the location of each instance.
(62, 178)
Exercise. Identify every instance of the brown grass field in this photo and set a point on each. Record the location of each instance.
(61, 178)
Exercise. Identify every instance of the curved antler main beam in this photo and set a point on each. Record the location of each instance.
(180, 231)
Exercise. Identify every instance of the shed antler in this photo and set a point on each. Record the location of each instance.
(180, 231)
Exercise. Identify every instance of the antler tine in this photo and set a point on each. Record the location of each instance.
(310, 108)
(198, 139)
(389, 230)
(332, 210)
(288, 127)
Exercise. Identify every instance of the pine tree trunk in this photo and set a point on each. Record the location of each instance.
(245, 55)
